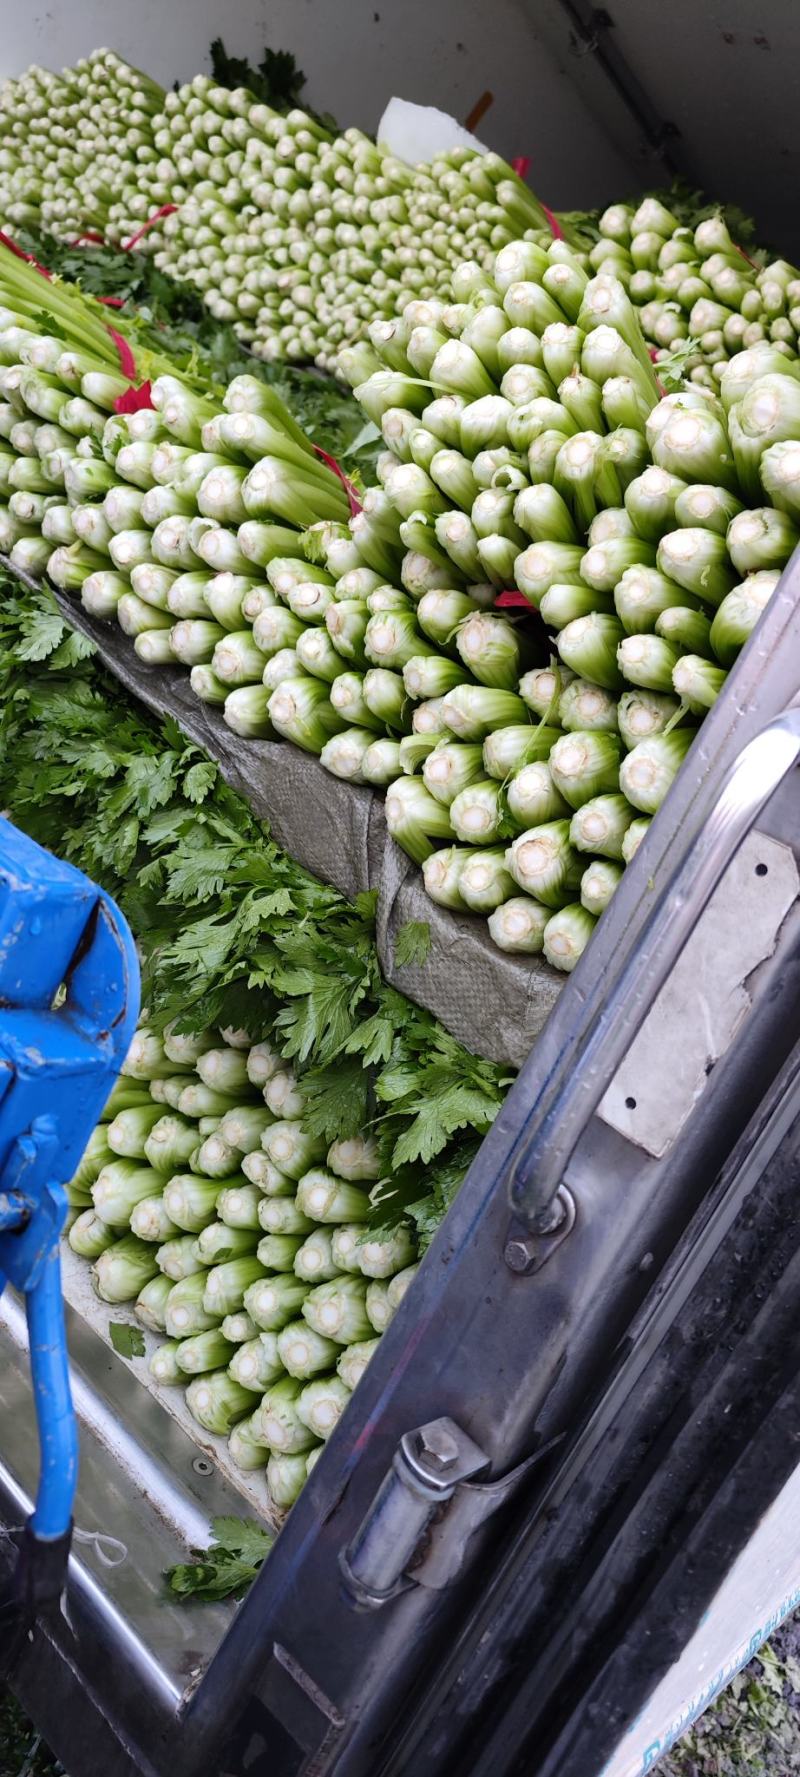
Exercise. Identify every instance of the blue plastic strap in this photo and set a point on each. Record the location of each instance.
(58, 1436)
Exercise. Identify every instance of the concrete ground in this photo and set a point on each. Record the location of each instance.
(753, 1729)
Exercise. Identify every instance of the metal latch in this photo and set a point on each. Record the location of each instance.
(428, 1465)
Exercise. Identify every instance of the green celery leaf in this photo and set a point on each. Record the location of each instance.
(242, 1535)
(199, 780)
(228, 1567)
(336, 1099)
(128, 1341)
(42, 635)
(413, 943)
(460, 1107)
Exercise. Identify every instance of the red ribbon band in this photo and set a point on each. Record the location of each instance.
(134, 399)
(555, 226)
(521, 167)
(166, 210)
(350, 490)
(6, 241)
(127, 362)
(510, 600)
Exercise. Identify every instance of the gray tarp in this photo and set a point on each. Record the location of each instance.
(493, 1003)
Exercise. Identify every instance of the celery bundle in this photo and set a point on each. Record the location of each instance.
(696, 292)
(69, 144)
(241, 1239)
(297, 236)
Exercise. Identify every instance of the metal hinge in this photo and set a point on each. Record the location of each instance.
(428, 1465)
(418, 1527)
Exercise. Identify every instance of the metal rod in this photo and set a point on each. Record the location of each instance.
(581, 1081)
(591, 28)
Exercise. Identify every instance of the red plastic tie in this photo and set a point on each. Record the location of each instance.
(127, 362)
(520, 166)
(134, 399)
(166, 210)
(350, 490)
(746, 256)
(555, 226)
(96, 239)
(6, 241)
(513, 600)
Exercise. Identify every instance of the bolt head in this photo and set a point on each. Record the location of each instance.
(438, 1448)
(520, 1254)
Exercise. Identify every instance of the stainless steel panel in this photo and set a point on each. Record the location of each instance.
(614, 1016)
(660, 1081)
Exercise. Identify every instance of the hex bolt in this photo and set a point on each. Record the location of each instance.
(438, 1448)
(521, 1254)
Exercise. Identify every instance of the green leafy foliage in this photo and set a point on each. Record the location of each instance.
(231, 931)
(413, 943)
(46, 632)
(228, 1567)
(399, 1200)
(337, 1099)
(753, 1728)
(23, 1752)
(672, 365)
(276, 81)
(128, 1341)
(692, 205)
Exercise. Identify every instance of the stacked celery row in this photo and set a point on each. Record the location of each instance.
(300, 237)
(648, 534)
(696, 290)
(70, 143)
(296, 236)
(204, 1201)
(28, 108)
